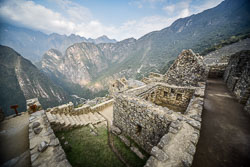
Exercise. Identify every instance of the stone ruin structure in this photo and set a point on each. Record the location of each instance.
(164, 116)
(123, 84)
(236, 74)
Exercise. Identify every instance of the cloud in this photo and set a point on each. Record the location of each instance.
(77, 19)
(28, 13)
(170, 8)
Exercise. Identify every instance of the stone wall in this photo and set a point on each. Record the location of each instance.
(237, 75)
(145, 122)
(45, 148)
(187, 70)
(173, 97)
(178, 146)
(217, 70)
(69, 108)
(247, 106)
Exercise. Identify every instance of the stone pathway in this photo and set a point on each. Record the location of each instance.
(14, 142)
(225, 132)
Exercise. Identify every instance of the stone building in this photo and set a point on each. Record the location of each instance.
(165, 111)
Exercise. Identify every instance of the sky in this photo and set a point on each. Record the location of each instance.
(118, 19)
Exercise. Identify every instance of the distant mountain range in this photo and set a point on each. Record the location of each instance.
(33, 44)
(95, 65)
(21, 80)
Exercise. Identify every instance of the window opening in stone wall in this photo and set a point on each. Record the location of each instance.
(165, 93)
(138, 129)
(179, 97)
(172, 90)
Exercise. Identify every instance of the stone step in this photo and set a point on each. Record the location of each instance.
(83, 119)
(86, 118)
(67, 123)
(79, 120)
(99, 116)
(93, 119)
(50, 118)
(72, 122)
(76, 121)
(60, 119)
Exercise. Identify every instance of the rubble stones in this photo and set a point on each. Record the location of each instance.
(115, 130)
(43, 146)
(37, 130)
(54, 142)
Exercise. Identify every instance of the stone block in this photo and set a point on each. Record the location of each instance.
(159, 154)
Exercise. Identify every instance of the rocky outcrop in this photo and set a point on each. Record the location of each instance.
(82, 62)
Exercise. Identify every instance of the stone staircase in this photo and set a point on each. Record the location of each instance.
(64, 121)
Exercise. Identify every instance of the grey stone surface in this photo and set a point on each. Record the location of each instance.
(159, 154)
(43, 146)
(124, 140)
(137, 152)
(37, 130)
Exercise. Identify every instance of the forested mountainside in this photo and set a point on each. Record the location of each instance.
(95, 65)
(21, 80)
(33, 44)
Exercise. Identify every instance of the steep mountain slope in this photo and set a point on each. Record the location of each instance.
(33, 44)
(21, 80)
(83, 63)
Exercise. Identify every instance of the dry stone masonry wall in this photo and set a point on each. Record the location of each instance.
(187, 70)
(149, 114)
(237, 75)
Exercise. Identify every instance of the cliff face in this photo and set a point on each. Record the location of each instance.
(83, 62)
(21, 80)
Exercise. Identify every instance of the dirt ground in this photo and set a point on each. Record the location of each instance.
(14, 142)
(225, 132)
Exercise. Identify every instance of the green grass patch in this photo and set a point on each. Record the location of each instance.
(87, 150)
(130, 156)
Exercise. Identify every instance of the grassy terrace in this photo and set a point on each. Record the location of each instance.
(84, 149)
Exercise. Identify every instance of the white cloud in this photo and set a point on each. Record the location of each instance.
(169, 9)
(78, 19)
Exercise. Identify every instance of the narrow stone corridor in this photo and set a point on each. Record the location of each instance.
(225, 132)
